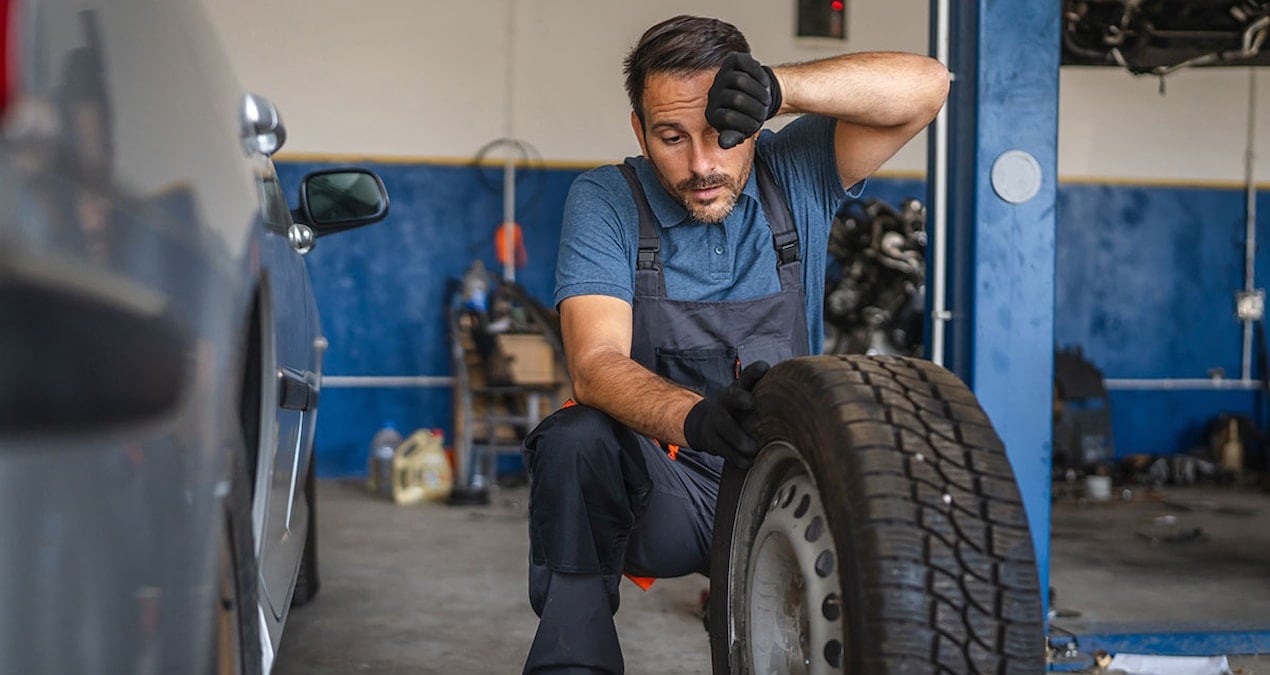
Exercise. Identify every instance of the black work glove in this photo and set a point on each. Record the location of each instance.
(724, 425)
(745, 94)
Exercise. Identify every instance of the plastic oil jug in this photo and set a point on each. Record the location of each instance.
(420, 468)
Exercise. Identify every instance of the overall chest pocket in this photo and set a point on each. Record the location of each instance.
(706, 371)
(773, 350)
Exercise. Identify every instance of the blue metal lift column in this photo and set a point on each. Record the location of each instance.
(1002, 185)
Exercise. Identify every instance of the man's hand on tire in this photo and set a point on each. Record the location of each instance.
(744, 95)
(723, 425)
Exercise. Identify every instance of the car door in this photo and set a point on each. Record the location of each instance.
(289, 330)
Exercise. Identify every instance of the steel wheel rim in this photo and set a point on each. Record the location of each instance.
(784, 605)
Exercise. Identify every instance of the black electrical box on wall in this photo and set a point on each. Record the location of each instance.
(822, 18)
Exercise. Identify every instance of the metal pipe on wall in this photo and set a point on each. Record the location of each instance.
(509, 167)
(1250, 220)
(509, 219)
(385, 381)
(1175, 384)
(939, 208)
(1181, 383)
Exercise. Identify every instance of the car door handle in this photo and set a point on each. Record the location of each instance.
(296, 390)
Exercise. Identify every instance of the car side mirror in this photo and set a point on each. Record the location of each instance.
(335, 200)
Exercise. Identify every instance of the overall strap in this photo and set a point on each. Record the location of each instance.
(648, 273)
(775, 207)
(779, 217)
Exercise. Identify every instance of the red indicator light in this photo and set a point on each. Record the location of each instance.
(8, 76)
(836, 5)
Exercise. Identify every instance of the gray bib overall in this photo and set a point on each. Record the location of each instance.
(604, 499)
(703, 345)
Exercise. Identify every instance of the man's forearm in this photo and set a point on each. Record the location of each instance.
(876, 89)
(634, 396)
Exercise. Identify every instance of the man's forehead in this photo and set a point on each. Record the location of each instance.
(671, 94)
(672, 79)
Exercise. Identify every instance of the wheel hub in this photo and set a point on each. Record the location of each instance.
(785, 613)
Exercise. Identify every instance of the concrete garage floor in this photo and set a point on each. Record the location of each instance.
(1173, 560)
(429, 588)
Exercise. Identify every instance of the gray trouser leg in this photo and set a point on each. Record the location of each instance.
(602, 500)
(575, 632)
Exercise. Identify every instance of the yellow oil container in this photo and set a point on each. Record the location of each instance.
(420, 468)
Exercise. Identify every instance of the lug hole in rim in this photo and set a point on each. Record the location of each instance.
(833, 653)
(815, 529)
(824, 564)
(803, 505)
(831, 608)
(789, 497)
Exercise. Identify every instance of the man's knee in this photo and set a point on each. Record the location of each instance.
(573, 443)
(587, 485)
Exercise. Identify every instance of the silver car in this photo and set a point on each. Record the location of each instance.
(160, 350)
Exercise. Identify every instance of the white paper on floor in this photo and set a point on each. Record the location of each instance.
(1138, 664)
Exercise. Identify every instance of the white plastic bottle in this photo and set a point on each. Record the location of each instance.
(379, 460)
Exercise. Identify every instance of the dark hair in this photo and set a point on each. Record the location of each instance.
(682, 45)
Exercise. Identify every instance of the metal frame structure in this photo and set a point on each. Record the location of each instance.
(993, 188)
(998, 163)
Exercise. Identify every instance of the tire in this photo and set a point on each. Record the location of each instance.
(238, 621)
(307, 581)
(879, 531)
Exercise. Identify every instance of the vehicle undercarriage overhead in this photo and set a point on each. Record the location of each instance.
(1161, 36)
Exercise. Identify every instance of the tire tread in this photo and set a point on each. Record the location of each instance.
(939, 540)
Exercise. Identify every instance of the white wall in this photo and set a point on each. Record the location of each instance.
(433, 78)
(1113, 124)
(428, 78)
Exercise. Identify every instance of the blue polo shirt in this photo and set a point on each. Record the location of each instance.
(707, 262)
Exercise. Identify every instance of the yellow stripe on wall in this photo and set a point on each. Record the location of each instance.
(580, 165)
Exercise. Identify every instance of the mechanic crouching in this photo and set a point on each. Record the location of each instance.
(682, 274)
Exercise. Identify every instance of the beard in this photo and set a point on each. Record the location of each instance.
(715, 209)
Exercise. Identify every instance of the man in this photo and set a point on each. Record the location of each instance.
(682, 274)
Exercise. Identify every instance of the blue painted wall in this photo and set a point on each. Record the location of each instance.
(1146, 277)
(383, 290)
